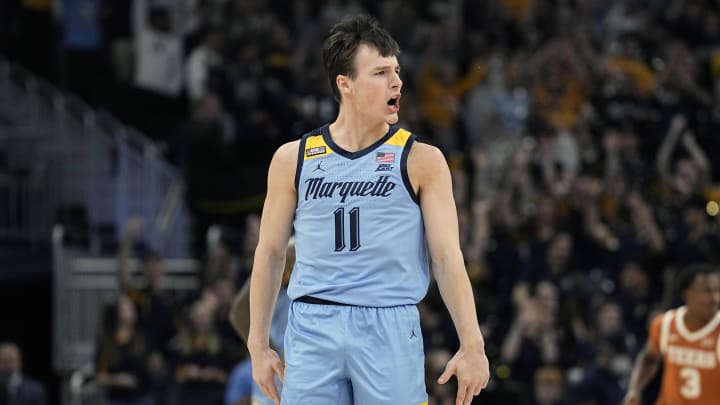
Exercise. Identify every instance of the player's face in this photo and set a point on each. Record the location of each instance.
(704, 295)
(375, 90)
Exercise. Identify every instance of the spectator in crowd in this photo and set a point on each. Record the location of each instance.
(155, 308)
(201, 363)
(534, 338)
(695, 240)
(636, 298)
(222, 291)
(691, 173)
(204, 61)
(16, 388)
(549, 386)
(222, 261)
(606, 354)
(204, 148)
(581, 137)
(123, 363)
(600, 381)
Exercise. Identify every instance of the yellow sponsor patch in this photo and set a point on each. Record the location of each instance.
(318, 150)
(315, 146)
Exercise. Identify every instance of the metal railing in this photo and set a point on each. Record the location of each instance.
(66, 154)
(27, 195)
(82, 286)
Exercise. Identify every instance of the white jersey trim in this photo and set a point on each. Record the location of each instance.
(665, 330)
(698, 334)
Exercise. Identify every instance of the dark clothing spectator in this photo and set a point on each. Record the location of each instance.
(128, 358)
(156, 317)
(122, 356)
(25, 391)
(200, 360)
(17, 388)
(598, 386)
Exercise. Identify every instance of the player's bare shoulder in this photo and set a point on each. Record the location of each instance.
(284, 163)
(425, 164)
(287, 152)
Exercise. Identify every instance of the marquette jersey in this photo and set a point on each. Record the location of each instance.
(359, 233)
(691, 360)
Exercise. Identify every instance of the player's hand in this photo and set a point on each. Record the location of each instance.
(632, 398)
(472, 370)
(265, 365)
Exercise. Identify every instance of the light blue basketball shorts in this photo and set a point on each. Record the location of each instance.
(349, 355)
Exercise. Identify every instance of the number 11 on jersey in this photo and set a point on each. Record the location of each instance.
(340, 229)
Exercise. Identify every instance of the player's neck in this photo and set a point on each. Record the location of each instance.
(696, 321)
(353, 133)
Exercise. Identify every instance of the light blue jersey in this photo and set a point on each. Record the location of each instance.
(359, 232)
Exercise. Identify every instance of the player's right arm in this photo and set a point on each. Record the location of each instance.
(646, 365)
(268, 264)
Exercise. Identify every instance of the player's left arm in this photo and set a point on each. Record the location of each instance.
(430, 176)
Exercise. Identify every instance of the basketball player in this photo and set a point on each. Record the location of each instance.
(366, 202)
(687, 340)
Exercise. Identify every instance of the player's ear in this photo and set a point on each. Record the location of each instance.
(343, 83)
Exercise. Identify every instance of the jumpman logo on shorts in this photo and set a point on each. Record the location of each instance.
(412, 334)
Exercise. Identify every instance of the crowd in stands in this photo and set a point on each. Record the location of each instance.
(582, 137)
(16, 387)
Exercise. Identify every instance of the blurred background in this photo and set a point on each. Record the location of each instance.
(135, 137)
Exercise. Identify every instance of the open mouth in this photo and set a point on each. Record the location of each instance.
(394, 102)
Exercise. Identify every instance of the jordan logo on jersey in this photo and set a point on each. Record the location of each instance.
(319, 167)
(317, 187)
